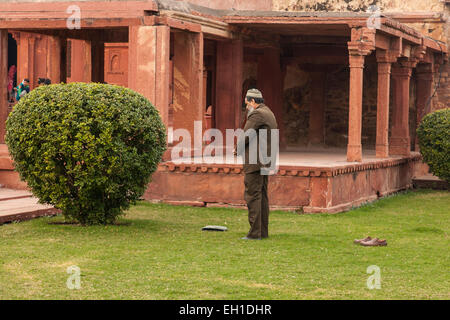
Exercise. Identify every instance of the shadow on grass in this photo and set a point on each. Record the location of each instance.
(75, 223)
(428, 230)
(301, 238)
(146, 225)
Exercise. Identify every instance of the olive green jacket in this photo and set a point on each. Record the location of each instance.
(260, 118)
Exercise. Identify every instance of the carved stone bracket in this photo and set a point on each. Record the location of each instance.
(419, 53)
(387, 56)
(16, 35)
(362, 43)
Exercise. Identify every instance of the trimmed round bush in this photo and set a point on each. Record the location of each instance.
(88, 149)
(434, 142)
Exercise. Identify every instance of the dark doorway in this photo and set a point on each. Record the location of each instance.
(12, 71)
(12, 51)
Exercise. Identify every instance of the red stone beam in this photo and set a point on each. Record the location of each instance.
(97, 9)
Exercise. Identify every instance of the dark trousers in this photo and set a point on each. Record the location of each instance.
(257, 203)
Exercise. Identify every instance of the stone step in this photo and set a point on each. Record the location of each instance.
(430, 182)
(10, 194)
(23, 209)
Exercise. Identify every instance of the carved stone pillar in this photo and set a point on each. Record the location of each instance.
(400, 139)
(384, 59)
(229, 64)
(148, 65)
(362, 44)
(424, 89)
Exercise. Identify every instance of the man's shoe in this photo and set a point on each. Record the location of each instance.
(247, 238)
(368, 238)
(382, 243)
(374, 243)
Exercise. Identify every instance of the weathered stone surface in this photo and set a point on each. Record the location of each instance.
(358, 5)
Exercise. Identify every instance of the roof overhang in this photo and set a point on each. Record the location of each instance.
(218, 23)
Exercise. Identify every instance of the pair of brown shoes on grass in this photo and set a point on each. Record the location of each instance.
(369, 242)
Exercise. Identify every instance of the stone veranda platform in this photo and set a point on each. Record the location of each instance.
(19, 205)
(309, 181)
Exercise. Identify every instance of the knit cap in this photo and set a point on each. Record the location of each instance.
(254, 93)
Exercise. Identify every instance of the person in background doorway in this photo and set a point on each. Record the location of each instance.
(11, 76)
(44, 82)
(22, 89)
(41, 81)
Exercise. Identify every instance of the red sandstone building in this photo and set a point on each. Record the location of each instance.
(348, 97)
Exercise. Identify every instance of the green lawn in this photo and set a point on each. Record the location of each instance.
(160, 252)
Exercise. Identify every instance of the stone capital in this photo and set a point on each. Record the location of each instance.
(386, 56)
(400, 71)
(356, 61)
(384, 68)
(404, 67)
(424, 71)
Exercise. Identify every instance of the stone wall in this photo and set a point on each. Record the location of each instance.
(358, 5)
(234, 4)
(297, 105)
(443, 91)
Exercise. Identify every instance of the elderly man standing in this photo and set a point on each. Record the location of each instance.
(259, 117)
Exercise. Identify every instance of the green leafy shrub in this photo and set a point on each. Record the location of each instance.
(87, 149)
(434, 142)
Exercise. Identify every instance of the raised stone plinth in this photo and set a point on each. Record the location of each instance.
(310, 182)
(19, 205)
(430, 182)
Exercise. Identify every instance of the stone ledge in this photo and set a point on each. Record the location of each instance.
(430, 182)
(184, 203)
(291, 170)
(11, 194)
(340, 207)
(28, 214)
(6, 163)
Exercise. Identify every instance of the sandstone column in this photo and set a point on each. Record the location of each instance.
(79, 57)
(400, 139)
(148, 65)
(188, 80)
(362, 44)
(86, 60)
(54, 48)
(424, 90)
(384, 60)
(270, 82)
(354, 147)
(229, 66)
